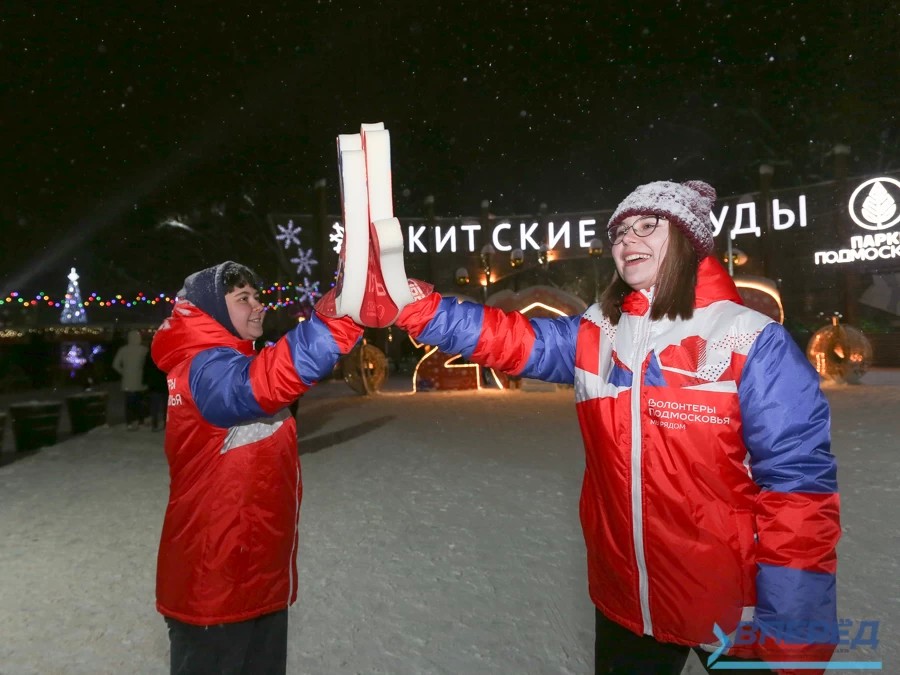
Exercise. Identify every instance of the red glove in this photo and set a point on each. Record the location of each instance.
(326, 306)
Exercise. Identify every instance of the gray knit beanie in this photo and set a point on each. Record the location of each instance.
(686, 205)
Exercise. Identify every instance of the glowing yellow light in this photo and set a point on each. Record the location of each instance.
(416, 369)
(764, 288)
(541, 305)
(449, 363)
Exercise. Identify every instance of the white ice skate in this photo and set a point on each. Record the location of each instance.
(371, 286)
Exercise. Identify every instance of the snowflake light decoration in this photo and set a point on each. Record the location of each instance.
(290, 234)
(337, 236)
(308, 292)
(304, 261)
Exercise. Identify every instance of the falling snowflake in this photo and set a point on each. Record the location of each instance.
(337, 236)
(308, 292)
(304, 261)
(290, 234)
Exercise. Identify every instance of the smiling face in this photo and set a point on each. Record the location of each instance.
(246, 312)
(638, 258)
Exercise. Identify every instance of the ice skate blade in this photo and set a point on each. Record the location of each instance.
(350, 286)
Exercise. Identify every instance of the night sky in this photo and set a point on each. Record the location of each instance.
(115, 115)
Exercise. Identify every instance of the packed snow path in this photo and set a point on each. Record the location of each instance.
(439, 534)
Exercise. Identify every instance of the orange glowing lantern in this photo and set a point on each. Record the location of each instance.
(840, 353)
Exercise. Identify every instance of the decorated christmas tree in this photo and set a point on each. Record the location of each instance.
(73, 309)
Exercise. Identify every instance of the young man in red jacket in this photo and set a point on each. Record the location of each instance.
(227, 566)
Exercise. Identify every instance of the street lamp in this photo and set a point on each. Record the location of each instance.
(595, 251)
(462, 276)
(487, 251)
(543, 257)
(516, 258)
(734, 257)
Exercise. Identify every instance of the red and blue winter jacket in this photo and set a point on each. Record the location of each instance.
(228, 550)
(709, 494)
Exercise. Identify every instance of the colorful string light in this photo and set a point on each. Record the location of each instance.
(301, 295)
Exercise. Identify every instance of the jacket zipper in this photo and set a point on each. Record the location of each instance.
(643, 335)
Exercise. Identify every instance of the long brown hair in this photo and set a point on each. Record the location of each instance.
(673, 296)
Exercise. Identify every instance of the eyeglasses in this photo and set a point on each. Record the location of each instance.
(642, 227)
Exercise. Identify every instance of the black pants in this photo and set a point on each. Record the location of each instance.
(157, 401)
(134, 407)
(618, 651)
(254, 647)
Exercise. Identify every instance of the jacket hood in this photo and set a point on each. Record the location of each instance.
(188, 331)
(713, 284)
(206, 289)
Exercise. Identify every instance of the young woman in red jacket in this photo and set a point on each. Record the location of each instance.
(709, 504)
(227, 565)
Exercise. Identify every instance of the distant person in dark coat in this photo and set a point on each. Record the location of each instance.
(157, 394)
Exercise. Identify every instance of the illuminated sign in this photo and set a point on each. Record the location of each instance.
(505, 235)
(872, 206)
(568, 231)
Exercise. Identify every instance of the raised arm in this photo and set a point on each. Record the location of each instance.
(543, 349)
(230, 388)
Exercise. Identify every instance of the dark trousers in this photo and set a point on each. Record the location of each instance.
(254, 647)
(618, 651)
(134, 407)
(157, 401)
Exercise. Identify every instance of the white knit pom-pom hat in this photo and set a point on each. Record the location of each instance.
(686, 205)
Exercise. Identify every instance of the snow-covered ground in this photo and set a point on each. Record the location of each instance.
(439, 534)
